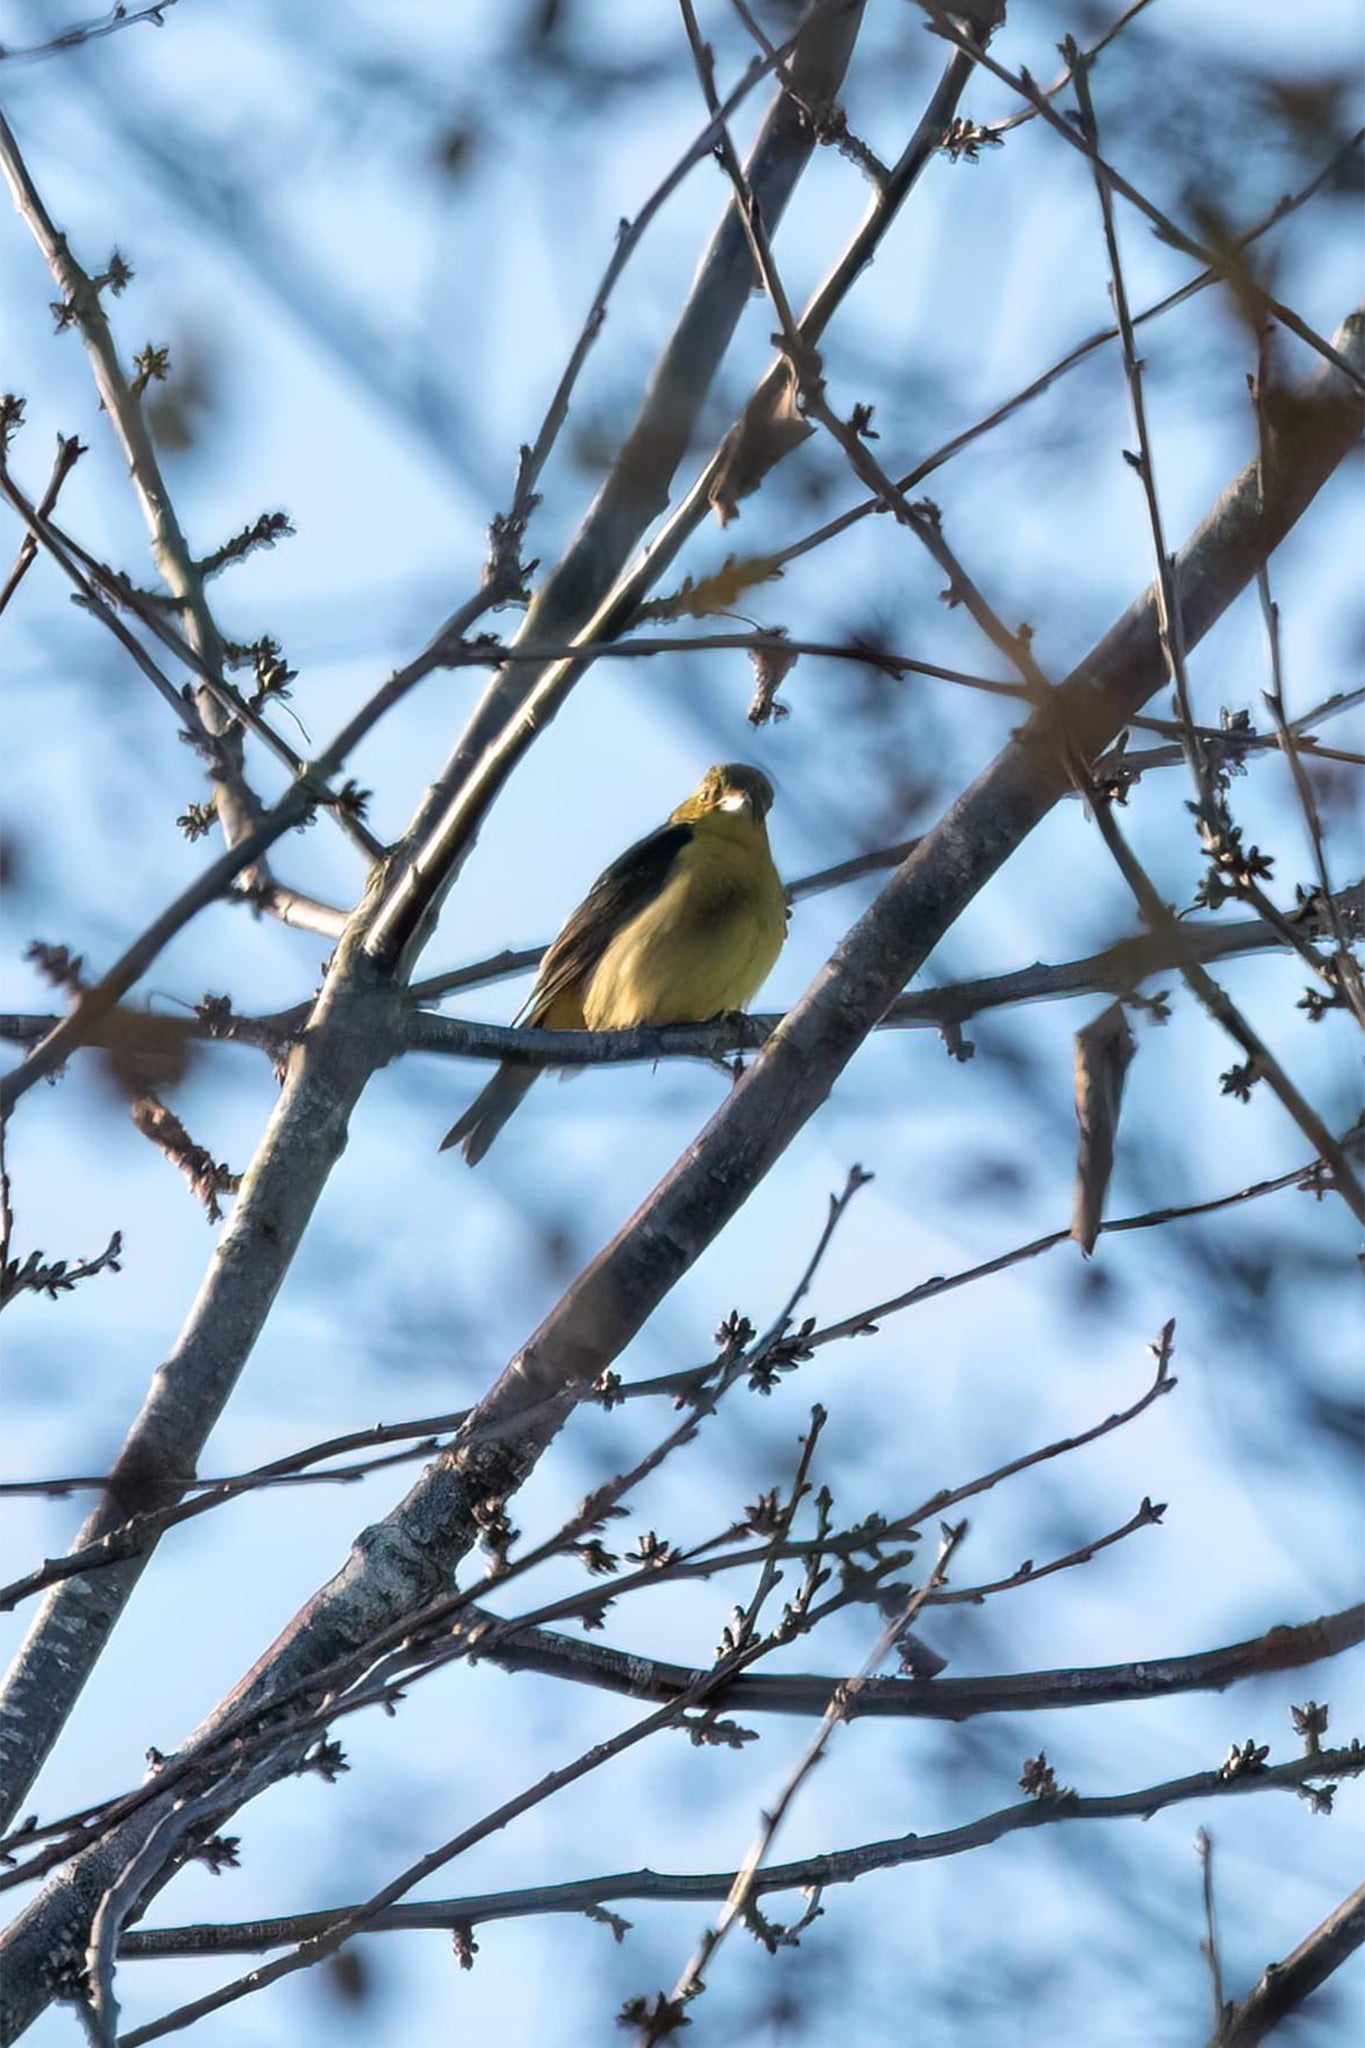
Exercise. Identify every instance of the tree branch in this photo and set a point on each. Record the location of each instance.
(1283, 1648)
(634, 492)
(239, 808)
(69, 452)
(1284, 1986)
(840, 1866)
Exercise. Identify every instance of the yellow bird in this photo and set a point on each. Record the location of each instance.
(685, 925)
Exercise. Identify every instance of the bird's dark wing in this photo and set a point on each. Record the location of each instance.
(620, 893)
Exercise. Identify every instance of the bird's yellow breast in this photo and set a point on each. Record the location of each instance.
(705, 944)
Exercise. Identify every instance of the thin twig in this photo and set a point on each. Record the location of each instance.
(119, 17)
(998, 130)
(41, 533)
(240, 809)
(739, 1898)
(779, 558)
(952, 31)
(69, 451)
(1346, 967)
(1212, 813)
(100, 587)
(1167, 601)
(1203, 1843)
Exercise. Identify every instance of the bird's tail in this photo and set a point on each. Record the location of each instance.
(489, 1111)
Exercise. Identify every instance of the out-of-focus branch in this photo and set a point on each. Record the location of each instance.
(96, 1002)
(1082, 351)
(1285, 1985)
(953, 31)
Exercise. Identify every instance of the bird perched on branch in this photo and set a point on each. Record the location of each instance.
(685, 925)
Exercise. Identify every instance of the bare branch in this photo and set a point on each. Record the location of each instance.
(1283, 1648)
(1203, 1843)
(837, 1867)
(695, 504)
(691, 1983)
(953, 32)
(240, 810)
(1285, 1985)
(118, 17)
(588, 594)
(69, 451)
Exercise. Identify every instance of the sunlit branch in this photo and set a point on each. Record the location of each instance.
(585, 1662)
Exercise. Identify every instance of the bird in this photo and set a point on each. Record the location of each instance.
(684, 925)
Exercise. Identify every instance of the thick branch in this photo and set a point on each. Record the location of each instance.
(302, 1142)
(939, 1699)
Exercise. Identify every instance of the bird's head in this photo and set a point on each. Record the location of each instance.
(731, 786)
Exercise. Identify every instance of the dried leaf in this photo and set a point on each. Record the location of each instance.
(720, 592)
(1103, 1051)
(772, 665)
(763, 436)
